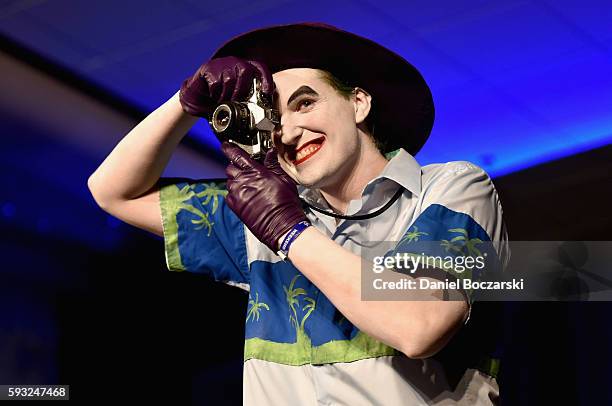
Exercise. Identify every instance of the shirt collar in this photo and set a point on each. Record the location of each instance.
(403, 169)
(312, 196)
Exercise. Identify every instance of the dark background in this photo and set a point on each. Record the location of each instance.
(111, 323)
(86, 300)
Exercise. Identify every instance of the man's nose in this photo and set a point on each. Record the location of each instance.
(288, 132)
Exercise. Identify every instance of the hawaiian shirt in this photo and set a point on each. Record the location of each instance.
(299, 349)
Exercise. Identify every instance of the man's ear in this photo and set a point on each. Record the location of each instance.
(363, 104)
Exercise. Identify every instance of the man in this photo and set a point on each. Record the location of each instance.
(310, 338)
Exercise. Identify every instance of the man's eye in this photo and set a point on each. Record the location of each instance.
(304, 103)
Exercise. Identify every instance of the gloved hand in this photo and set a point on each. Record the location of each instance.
(221, 80)
(264, 197)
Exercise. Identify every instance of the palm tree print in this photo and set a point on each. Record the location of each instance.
(292, 294)
(202, 221)
(412, 235)
(255, 308)
(311, 307)
(450, 246)
(186, 193)
(212, 192)
(468, 243)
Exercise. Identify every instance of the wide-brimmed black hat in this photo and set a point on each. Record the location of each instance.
(401, 99)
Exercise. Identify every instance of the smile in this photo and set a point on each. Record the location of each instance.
(308, 150)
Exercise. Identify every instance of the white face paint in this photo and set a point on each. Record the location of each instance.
(319, 144)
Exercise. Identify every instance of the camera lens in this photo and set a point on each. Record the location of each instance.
(221, 118)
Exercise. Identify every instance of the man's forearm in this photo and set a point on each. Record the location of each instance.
(417, 328)
(139, 159)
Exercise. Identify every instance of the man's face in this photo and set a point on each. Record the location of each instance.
(318, 144)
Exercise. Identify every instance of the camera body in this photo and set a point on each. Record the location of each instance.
(248, 124)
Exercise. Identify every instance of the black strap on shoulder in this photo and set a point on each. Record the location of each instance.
(358, 216)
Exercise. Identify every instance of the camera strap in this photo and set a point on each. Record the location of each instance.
(358, 216)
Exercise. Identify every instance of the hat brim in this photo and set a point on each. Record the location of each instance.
(404, 109)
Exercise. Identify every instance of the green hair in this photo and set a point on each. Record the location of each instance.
(345, 90)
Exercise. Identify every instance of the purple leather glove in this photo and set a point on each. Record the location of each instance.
(221, 80)
(264, 197)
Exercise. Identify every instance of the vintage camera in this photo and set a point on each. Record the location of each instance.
(248, 124)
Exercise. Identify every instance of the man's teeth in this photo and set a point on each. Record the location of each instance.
(306, 151)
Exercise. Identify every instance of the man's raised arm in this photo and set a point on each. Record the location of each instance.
(125, 184)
